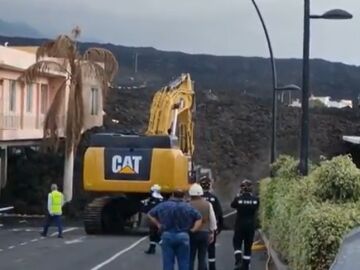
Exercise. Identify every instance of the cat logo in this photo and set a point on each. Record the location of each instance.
(126, 164)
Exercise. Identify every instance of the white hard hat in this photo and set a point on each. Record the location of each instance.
(155, 187)
(54, 187)
(196, 190)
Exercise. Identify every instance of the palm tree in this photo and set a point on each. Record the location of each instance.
(62, 55)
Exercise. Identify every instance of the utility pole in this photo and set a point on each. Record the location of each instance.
(136, 63)
(304, 150)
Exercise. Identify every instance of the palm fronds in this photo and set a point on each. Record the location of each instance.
(40, 68)
(54, 118)
(105, 57)
(75, 113)
(62, 47)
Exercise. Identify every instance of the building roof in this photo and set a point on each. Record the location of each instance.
(352, 139)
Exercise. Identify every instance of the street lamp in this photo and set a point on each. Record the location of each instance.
(274, 84)
(335, 14)
(289, 87)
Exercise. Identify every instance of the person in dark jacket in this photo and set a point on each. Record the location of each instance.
(206, 184)
(246, 205)
(150, 203)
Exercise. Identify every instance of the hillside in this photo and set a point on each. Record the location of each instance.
(250, 75)
(233, 134)
(17, 29)
(232, 137)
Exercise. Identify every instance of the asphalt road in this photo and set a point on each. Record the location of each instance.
(22, 247)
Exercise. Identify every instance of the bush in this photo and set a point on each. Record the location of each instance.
(306, 219)
(337, 180)
(285, 167)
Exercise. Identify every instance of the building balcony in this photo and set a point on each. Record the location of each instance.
(16, 127)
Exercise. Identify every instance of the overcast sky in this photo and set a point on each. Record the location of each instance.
(222, 27)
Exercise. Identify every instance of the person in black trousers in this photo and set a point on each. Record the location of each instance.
(206, 184)
(150, 203)
(246, 205)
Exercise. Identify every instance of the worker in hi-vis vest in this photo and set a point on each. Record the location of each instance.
(54, 205)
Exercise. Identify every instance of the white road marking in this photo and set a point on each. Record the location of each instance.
(74, 241)
(229, 214)
(121, 252)
(65, 231)
(37, 239)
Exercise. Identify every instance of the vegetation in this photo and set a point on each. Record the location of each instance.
(307, 218)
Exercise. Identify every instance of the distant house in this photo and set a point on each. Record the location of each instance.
(326, 101)
(23, 106)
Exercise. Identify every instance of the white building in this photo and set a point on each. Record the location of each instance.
(343, 103)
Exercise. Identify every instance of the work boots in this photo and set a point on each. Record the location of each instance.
(151, 250)
(212, 266)
(238, 259)
(245, 265)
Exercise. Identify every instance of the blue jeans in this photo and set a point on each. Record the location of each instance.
(50, 219)
(175, 245)
(199, 243)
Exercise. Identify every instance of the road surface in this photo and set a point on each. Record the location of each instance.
(22, 247)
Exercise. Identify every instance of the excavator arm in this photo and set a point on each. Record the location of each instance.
(171, 113)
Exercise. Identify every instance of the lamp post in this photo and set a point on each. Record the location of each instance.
(335, 14)
(274, 84)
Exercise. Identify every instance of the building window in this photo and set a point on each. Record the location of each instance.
(29, 98)
(94, 101)
(44, 98)
(12, 94)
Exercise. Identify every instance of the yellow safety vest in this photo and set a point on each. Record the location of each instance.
(56, 202)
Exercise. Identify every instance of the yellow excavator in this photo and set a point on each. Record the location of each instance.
(127, 166)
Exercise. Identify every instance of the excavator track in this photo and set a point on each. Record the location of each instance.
(93, 215)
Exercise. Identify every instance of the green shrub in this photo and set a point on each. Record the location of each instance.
(337, 180)
(266, 195)
(285, 167)
(306, 219)
(318, 234)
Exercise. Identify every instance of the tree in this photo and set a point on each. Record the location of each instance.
(62, 55)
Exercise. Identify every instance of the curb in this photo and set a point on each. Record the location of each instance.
(273, 254)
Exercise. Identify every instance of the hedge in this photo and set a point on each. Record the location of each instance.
(306, 218)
